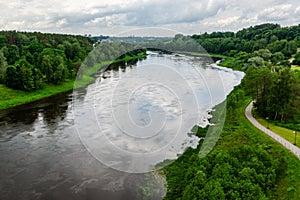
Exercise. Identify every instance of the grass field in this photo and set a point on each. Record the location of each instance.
(295, 67)
(283, 132)
(10, 97)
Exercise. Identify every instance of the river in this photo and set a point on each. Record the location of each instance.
(103, 141)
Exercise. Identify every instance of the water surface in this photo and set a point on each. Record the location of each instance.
(84, 144)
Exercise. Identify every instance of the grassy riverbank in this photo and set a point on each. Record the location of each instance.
(283, 132)
(203, 54)
(234, 168)
(10, 97)
(227, 61)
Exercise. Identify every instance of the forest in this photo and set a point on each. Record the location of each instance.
(29, 61)
(266, 53)
(245, 164)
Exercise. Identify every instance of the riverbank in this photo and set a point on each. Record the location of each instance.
(286, 133)
(203, 54)
(10, 98)
(190, 176)
(227, 61)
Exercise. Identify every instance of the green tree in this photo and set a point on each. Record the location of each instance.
(263, 53)
(256, 62)
(296, 60)
(3, 67)
(277, 57)
(46, 67)
(12, 78)
(258, 84)
(11, 53)
(290, 48)
(280, 94)
(60, 70)
(24, 69)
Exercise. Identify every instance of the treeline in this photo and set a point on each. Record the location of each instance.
(243, 165)
(243, 172)
(113, 50)
(239, 167)
(266, 52)
(277, 93)
(255, 46)
(107, 53)
(179, 43)
(29, 61)
(265, 36)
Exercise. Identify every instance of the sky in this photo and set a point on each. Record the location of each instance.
(144, 17)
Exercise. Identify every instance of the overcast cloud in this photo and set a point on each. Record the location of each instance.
(114, 17)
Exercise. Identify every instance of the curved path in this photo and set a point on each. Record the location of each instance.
(294, 149)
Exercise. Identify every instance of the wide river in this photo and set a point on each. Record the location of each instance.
(103, 141)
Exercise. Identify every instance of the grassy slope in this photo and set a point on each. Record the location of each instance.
(239, 131)
(288, 184)
(295, 67)
(203, 54)
(10, 97)
(283, 132)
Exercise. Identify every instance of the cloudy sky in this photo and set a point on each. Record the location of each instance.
(144, 17)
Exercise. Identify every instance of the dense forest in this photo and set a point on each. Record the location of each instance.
(245, 164)
(271, 37)
(266, 53)
(28, 61)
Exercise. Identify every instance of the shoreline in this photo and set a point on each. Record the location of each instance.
(219, 56)
(18, 97)
(11, 98)
(244, 134)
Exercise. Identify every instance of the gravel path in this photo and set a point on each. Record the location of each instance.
(294, 149)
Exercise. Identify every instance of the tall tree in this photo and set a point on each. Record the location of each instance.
(3, 67)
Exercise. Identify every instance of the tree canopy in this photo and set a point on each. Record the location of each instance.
(31, 60)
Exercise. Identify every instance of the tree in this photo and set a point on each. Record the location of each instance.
(258, 84)
(277, 46)
(256, 62)
(24, 71)
(296, 60)
(277, 57)
(11, 53)
(263, 53)
(46, 67)
(12, 78)
(280, 94)
(59, 69)
(290, 48)
(53, 65)
(3, 67)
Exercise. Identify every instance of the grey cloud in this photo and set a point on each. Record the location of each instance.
(277, 13)
(170, 12)
(104, 16)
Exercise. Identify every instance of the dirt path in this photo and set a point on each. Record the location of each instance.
(294, 149)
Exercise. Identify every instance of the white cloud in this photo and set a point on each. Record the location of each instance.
(61, 22)
(222, 22)
(114, 16)
(278, 12)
